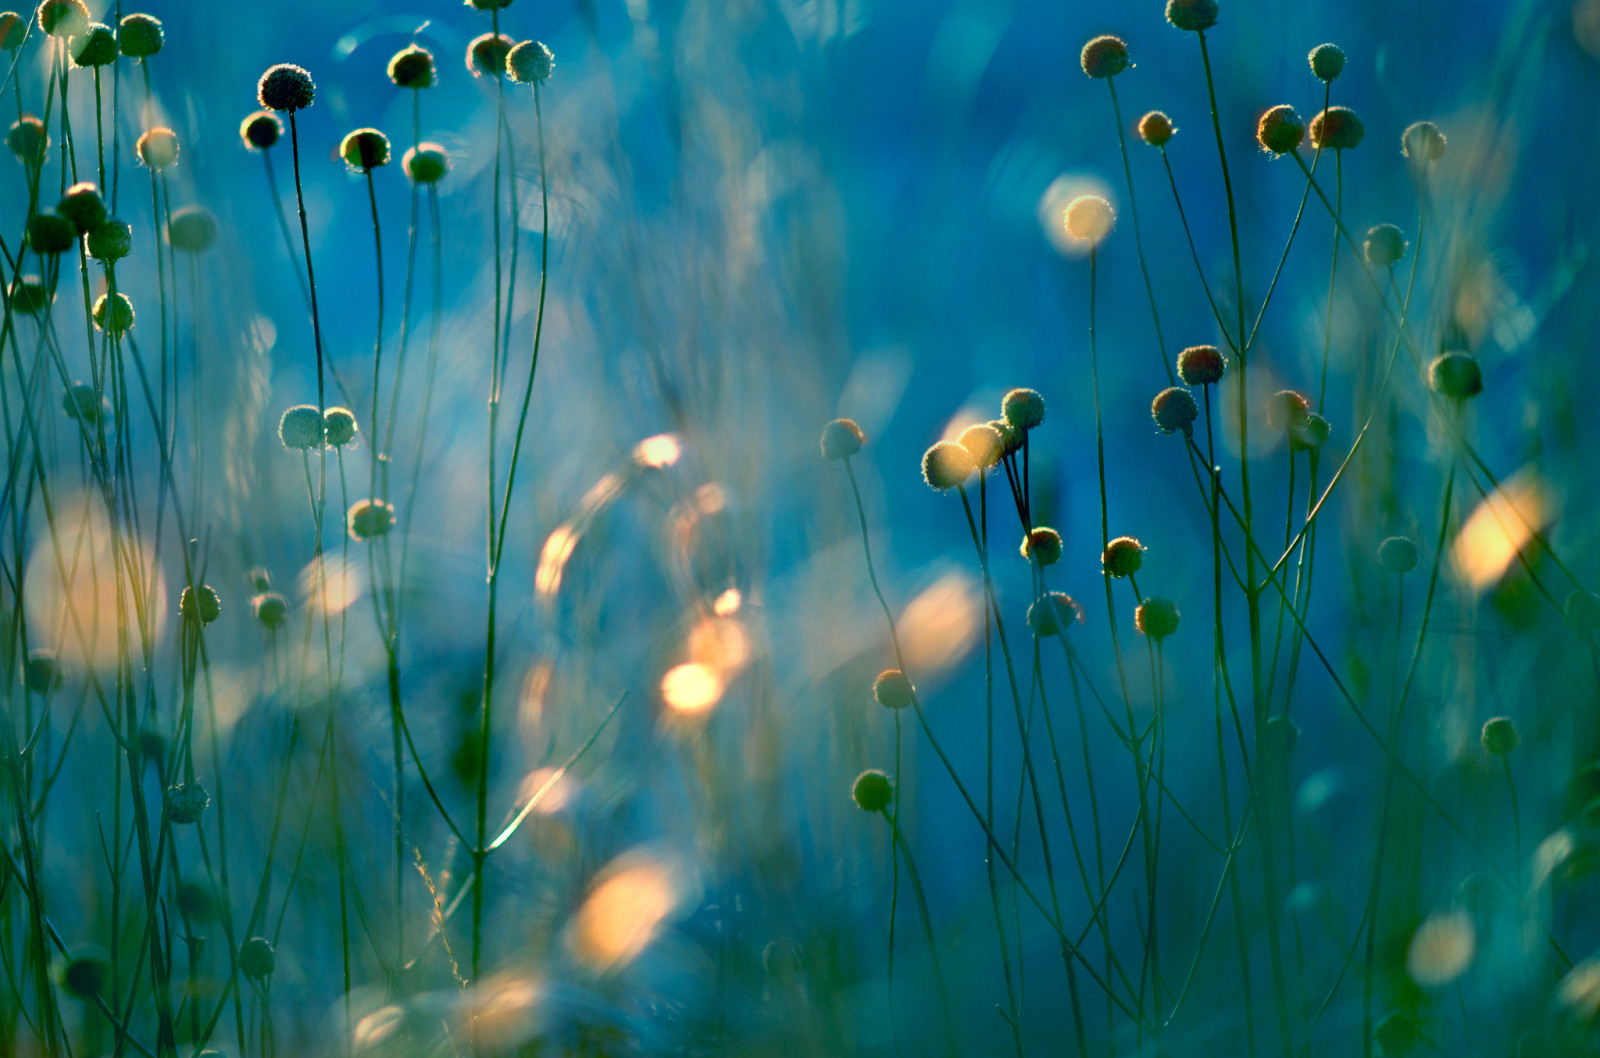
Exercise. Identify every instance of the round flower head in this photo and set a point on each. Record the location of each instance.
(120, 312)
(365, 149)
(286, 87)
(893, 690)
(426, 163)
(486, 55)
(200, 604)
(257, 958)
(1280, 130)
(1201, 365)
(1010, 436)
(1155, 128)
(110, 240)
(872, 791)
(946, 465)
(1385, 244)
(339, 426)
(369, 518)
(13, 30)
(1500, 735)
(83, 206)
(1156, 618)
(841, 439)
(1195, 16)
(301, 427)
(1582, 612)
(63, 18)
(488, 5)
(152, 744)
(1023, 409)
(1287, 409)
(1090, 217)
(158, 148)
(96, 46)
(141, 36)
(81, 402)
(412, 67)
(28, 140)
(1397, 555)
(1054, 612)
(1327, 61)
(196, 902)
(1455, 375)
(984, 444)
(260, 130)
(86, 975)
(1122, 557)
(270, 608)
(1174, 409)
(31, 295)
(1309, 434)
(1044, 544)
(1337, 129)
(186, 802)
(192, 229)
(1422, 142)
(1105, 56)
(51, 233)
(41, 673)
(530, 63)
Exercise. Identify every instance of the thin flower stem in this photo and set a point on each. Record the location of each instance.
(1138, 236)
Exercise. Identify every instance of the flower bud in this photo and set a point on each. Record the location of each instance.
(270, 608)
(141, 36)
(1309, 434)
(96, 46)
(1385, 244)
(1043, 544)
(1156, 618)
(196, 902)
(1500, 735)
(260, 130)
(872, 791)
(41, 673)
(1010, 436)
(841, 439)
(83, 206)
(13, 30)
(1397, 555)
(1201, 365)
(192, 229)
(369, 518)
(1123, 557)
(1023, 409)
(530, 63)
(286, 88)
(1327, 62)
(111, 240)
(946, 465)
(365, 150)
(63, 18)
(1194, 16)
(426, 163)
(1337, 129)
(1155, 128)
(486, 55)
(120, 311)
(1105, 56)
(1090, 217)
(1455, 375)
(412, 67)
(158, 148)
(186, 802)
(31, 296)
(1422, 142)
(257, 958)
(339, 426)
(81, 402)
(893, 690)
(301, 427)
(87, 975)
(28, 140)
(984, 444)
(199, 604)
(51, 233)
(1174, 409)
(1287, 409)
(1053, 612)
(1280, 130)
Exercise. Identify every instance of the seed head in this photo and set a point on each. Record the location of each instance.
(1174, 409)
(339, 426)
(1385, 244)
(1500, 735)
(86, 975)
(257, 958)
(207, 609)
(142, 36)
(1156, 618)
(119, 310)
(412, 67)
(1105, 56)
(426, 163)
(192, 229)
(984, 444)
(1044, 544)
(28, 140)
(186, 802)
(946, 465)
(486, 55)
(1422, 142)
(872, 791)
(1053, 612)
(1155, 128)
(83, 206)
(111, 240)
(1010, 436)
(1309, 434)
(51, 233)
(31, 295)
(1023, 409)
(365, 149)
(1327, 61)
(260, 130)
(369, 518)
(841, 439)
(1090, 217)
(1122, 557)
(1455, 375)
(286, 88)
(1287, 409)
(96, 46)
(301, 427)
(1397, 555)
(893, 689)
(1337, 129)
(530, 63)
(1194, 16)
(270, 608)
(13, 30)
(1582, 612)
(1280, 130)
(41, 673)
(81, 402)
(63, 18)
(158, 148)
(1201, 365)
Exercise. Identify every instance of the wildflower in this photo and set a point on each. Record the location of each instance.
(96, 46)
(1384, 245)
(301, 427)
(984, 444)
(1053, 612)
(260, 130)
(426, 163)
(51, 233)
(200, 604)
(946, 465)
(83, 206)
(1201, 365)
(1500, 735)
(369, 518)
(186, 802)
(1123, 557)
(530, 63)
(365, 150)
(81, 402)
(339, 426)
(1023, 409)
(257, 958)
(1044, 544)
(412, 67)
(31, 295)
(1455, 375)
(1287, 409)
(486, 55)
(111, 240)
(158, 148)
(893, 689)
(841, 439)
(1309, 434)
(1090, 217)
(1581, 612)
(1155, 128)
(1174, 409)
(86, 975)
(1327, 62)
(41, 673)
(1105, 56)
(1397, 555)
(872, 791)
(1422, 142)
(28, 140)
(142, 36)
(196, 902)
(269, 608)
(1280, 130)
(192, 229)
(286, 88)
(1337, 128)
(152, 745)
(63, 18)
(1156, 618)
(13, 30)
(119, 310)
(1010, 437)
(1194, 16)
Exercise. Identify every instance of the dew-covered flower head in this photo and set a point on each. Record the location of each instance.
(946, 465)
(841, 439)
(113, 313)
(63, 18)
(301, 427)
(893, 690)
(1193, 16)
(412, 67)
(1123, 557)
(1090, 218)
(486, 55)
(1023, 409)
(1174, 409)
(1043, 545)
(530, 63)
(365, 149)
(1422, 142)
(1201, 365)
(95, 46)
(1156, 617)
(1155, 128)
(158, 147)
(1327, 62)
(1337, 129)
(141, 36)
(984, 443)
(286, 88)
(1385, 244)
(1280, 130)
(1397, 555)
(1104, 56)
(110, 240)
